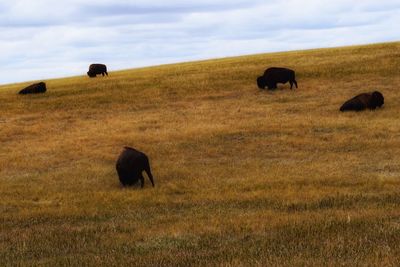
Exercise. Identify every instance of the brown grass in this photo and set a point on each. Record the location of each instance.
(243, 176)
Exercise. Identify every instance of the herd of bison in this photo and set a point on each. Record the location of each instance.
(131, 163)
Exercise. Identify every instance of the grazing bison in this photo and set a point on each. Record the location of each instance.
(95, 69)
(363, 101)
(272, 76)
(34, 89)
(130, 165)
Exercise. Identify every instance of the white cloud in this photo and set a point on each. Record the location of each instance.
(43, 39)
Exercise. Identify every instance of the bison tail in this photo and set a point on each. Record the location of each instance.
(148, 171)
(349, 106)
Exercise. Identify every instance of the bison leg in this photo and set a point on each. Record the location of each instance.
(102, 74)
(106, 73)
(141, 178)
(271, 86)
(293, 82)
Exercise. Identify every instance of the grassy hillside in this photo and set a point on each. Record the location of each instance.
(243, 176)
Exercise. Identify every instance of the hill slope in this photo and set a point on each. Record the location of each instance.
(243, 176)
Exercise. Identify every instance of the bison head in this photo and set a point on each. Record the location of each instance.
(261, 82)
(90, 74)
(377, 99)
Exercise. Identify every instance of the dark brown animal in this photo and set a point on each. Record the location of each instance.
(364, 101)
(95, 69)
(35, 88)
(273, 76)
(130, 165)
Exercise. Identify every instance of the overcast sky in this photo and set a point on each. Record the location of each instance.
(42, 39)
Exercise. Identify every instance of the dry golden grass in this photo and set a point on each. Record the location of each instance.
(243, 176)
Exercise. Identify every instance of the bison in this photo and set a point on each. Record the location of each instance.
(364, 101)
(95, 69)
(35, 88)
(274, 75)
(130, 165)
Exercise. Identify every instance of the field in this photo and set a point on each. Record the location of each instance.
(244, 177)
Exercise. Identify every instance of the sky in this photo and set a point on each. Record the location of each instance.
(43, 39)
